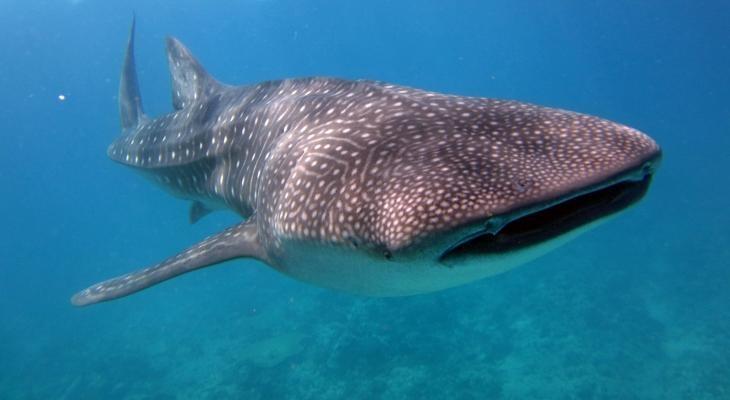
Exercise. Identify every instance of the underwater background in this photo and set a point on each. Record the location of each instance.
(638, 308)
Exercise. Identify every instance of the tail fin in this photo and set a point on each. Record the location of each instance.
(130, 101)
(190, 81)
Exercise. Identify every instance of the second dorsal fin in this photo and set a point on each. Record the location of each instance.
(190, 81)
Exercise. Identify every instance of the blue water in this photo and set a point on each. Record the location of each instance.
(636, 309)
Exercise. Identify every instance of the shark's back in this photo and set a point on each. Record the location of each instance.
(215, 147)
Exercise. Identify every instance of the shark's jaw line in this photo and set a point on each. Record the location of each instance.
(543, 222)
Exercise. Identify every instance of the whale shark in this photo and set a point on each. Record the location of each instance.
(369, 187)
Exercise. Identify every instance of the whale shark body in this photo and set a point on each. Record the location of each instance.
(368, 187)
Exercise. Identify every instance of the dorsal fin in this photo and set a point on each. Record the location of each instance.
(130, 101)
(190, 81)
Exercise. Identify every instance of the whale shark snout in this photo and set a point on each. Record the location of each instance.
(528, 160)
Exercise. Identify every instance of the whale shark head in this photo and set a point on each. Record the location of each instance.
(503, 177)
(369, 187)
(459, 189)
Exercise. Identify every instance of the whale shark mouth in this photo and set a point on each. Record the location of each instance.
(542, 224)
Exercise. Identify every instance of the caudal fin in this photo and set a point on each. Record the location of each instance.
(130, 101)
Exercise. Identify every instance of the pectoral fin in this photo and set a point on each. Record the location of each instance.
(235, 242)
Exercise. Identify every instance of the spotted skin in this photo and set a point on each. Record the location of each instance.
(385, 174)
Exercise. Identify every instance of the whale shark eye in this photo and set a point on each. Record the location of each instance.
(388, 255)
(520, 185)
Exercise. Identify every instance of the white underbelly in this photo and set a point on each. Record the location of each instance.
(357, 272)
